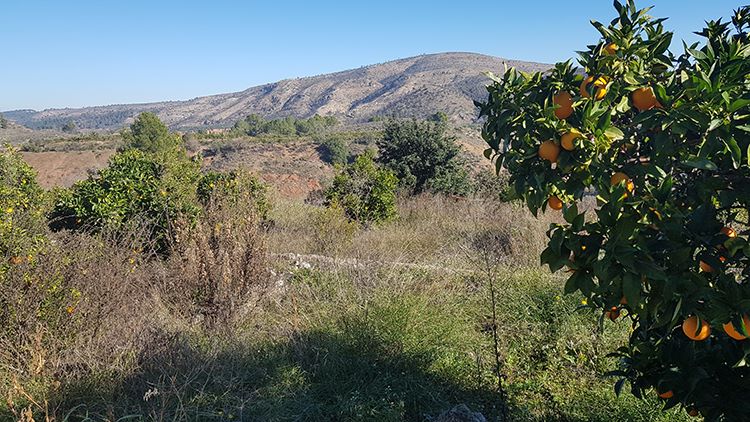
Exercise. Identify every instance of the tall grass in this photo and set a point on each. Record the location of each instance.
(386, 324)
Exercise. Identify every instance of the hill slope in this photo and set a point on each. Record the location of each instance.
(415, 86)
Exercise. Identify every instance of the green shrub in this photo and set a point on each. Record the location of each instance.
(22, 204)
(366, 192)
(423, 157)
(334, 150)
(255, 125)
(232, 188)
(135, 188)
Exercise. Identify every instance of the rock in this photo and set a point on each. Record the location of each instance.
(460, 413)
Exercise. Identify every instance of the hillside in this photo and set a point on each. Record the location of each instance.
(416, 86)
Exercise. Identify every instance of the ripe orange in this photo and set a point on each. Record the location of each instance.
(555, 203)
(564, 102)
(644, 98)
(600, 87)
(690, 328)
(613, 313)
(620, 177)
(693, 412)
(705, 267)
(566, 141)
(610, 49)
(729, 232)
(666, 395)
(734, 333)
(16, 260)
(549, 151)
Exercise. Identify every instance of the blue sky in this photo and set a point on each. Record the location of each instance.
(78, 53)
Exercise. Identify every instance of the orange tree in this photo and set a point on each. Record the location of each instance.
(663, 142)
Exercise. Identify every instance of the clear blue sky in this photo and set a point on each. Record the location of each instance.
(77, 53)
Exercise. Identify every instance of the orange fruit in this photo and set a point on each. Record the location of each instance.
(613, 313)
(549, 151)
(705, 267)
(564, 104)
(643, 98)
(666, 395)
(16, 260)
(729, 232)
(600, 87)
(734, 333)
(693, 412)
(610, 49)
(620, 177)
(690, 328)
(566, 141)
(555, 203)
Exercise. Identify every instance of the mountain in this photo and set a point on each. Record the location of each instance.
(412, 87)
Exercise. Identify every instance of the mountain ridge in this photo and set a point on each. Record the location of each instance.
(408, 87)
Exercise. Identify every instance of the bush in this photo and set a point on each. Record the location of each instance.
(366, 192)
(232, 189)
(22, 208)
(423, 157)
(151, 181)
(255, 125)
(664, 143)
(135, 188)
(334, 150)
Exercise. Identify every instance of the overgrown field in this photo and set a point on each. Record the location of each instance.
(334, 322)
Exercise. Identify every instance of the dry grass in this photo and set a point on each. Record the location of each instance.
(431, 230)
(396, 325)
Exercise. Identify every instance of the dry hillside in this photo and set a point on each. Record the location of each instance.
(415, 86)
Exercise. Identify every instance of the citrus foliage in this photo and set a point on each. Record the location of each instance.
(22, 202)
(366, 192)
(134, 188)
(151, 182)
(664, 143)
(232, 188)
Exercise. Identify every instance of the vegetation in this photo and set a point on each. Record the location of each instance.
(423, 157)
(69, 127)
(663, 141)
(366, 192)
(3, 122)
(22, 212)
(153, 184)
(255, 125)
(334, 150)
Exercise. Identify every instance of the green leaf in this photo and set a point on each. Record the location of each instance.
(701, 163)
(614, 133)
(738, 104)
(631, 287)
(570, 213)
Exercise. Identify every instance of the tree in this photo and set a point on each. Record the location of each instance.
(69, 127)
(423, 157)
(364, 191)
(334, 150)
(664, 142)
(149, 134)
(3, 122)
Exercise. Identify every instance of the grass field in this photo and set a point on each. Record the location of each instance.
(392, 322)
